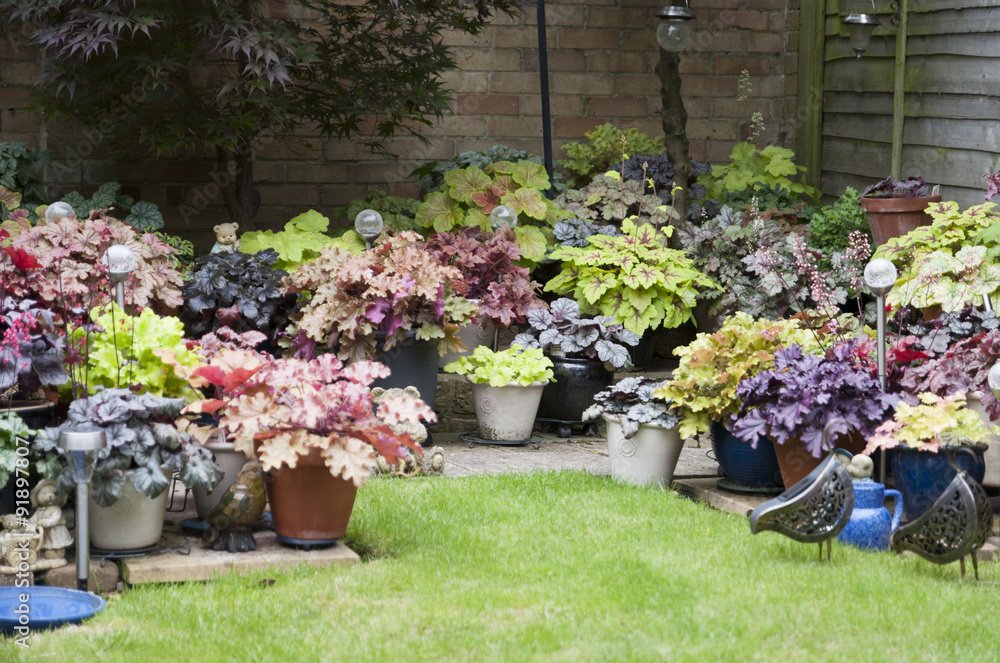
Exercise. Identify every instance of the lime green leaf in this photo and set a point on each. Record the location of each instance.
(311, 221)
(527, 201)
(440, 212)
(595, 284)
(532, 243)
(464, 183)
(530, 175)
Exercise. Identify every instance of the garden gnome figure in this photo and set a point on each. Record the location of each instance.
(20, 542)
(226, 240)
(49, 515)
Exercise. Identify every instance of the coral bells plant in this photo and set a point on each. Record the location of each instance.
(32, 351)
(286, 408)
(71, 270)
(489, 273)
(633, 402)
(397, 287)
(793, 402)
(562, 331)
(932, 423)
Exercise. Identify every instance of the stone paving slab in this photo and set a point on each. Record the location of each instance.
(588, 454)
(205, 564)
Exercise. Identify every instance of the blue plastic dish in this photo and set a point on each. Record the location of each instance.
(47, 607)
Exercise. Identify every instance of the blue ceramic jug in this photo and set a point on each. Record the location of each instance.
(870, 524)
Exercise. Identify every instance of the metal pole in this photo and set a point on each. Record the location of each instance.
(82, 536)
(543, 76)
(880, 331)
(120, 294)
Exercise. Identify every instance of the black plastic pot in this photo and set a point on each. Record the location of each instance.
(577, 380)
(412, 362)
(36, 415)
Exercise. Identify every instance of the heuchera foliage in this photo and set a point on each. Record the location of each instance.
(235, 290)
(933, 422)
(560, 330)
(289, 408)
(396, 287)
(515, 365)
(632, 401)
(711, 367)
(794, 401)
(635, 278)
(141, 439)
(72, 273)
(32, 351)
(489, 273)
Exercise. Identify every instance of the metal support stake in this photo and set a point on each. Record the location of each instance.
(880, 333)
(543, 78)
(82, 536)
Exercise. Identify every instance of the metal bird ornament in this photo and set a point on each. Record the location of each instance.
(956, 525)
(239, 509)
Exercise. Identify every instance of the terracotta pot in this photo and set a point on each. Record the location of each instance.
(309, 506)
(795, 462)
(894, 217)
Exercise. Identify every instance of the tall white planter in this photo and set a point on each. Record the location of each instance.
(992, 454)
(648, 458)
(506, 413)
(134, 521)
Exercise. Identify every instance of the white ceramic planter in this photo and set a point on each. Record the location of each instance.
(506, 413)
(473, 335)
(649, 458)
(134, 521)
(992, 454)
(230, 461)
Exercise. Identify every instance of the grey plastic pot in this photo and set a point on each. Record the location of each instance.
(649, 458)
(506, 413)
(230, 461)
(133, 522)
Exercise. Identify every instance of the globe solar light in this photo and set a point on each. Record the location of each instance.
(120, 262)
(859, 30)
(81, 447)
(369, 224)
(503, 216)
(674, 32)
(58, 211)
(880, 276)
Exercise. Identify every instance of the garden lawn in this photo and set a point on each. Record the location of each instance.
(552, 566)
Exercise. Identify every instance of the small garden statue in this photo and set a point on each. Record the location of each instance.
(20, 542)
(49, 516)
(432, 461)
(226, 240)
(238, 510)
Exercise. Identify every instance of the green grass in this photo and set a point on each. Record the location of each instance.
(553, 566)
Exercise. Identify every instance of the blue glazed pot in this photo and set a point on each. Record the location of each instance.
(922, 476)
(743, 465)
(871, 525)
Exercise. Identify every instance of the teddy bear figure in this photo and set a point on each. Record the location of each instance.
(432, 461)
(226, 240)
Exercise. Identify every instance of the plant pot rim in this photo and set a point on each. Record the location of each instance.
(28, 405)
(978, 446)
(918, 204)
(585, 361)
(508, 386)
(615, 418)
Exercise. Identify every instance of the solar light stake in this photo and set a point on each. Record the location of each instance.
(120, 262)
(880, 276)
(81, 447)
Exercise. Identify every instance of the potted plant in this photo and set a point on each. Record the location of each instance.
(585, 353)
(316, 431)
(490, 278)
(32, 358)
(962, 368)
(394, 302)
(793, 403)
(132, 474)
(506, 389)
(703, 391)
(236, 290)
(948, 265)
(895, 207)
(922, 436)
(643, 442)
(229, 359)
(635, 279)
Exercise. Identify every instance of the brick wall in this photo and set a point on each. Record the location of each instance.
(601, 61)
